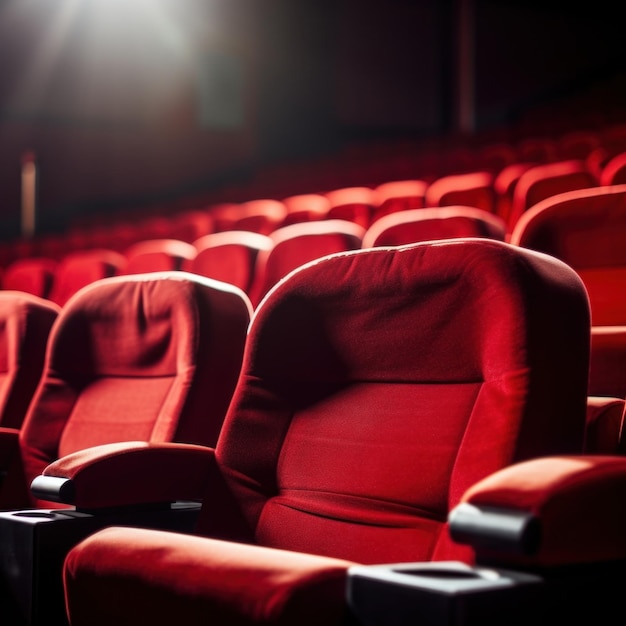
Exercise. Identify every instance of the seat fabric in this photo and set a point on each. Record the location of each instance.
(149, 357)
(25, 323)
(377, 386)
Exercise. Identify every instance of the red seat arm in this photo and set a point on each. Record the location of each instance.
(187, 578)
(126, 474)
(546, 512)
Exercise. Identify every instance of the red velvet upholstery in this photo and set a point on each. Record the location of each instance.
(229, 256)
(577, 144)
(398, 195)
(586, 228)
(157, 255)
(542, 181)
(244, 584)
(305, 207)
(298, 244)
(470, 189)
(411, 226)
(607, 369)
(190, 225)
(25, 323)
(224, 215)
(378, 385)
(614, 171)
(34, 275)
(494, 157)
(262, 216)
(537, 149)
(576, 501)
(354, 204)
(605, 424)
(81, 268)
(151, 357)
(504, 185)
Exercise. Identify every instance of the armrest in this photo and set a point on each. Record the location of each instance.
(551, 511)
(125, 474)
(9, 446)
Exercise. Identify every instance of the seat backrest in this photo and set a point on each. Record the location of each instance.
(190, 224)
(470, 189)
(378, 385)
(33, 275)
(607, 367)
(297, 244)
(538, 149)
(398, 195)
(614, 171)
(586, 229)
(577, 144)
(354, 204)
(229, 256)
(80, 268)
(305, 207)
(157, 255)
(150, 357)
(504, 185)
(224, 215)
(25, 323)
(495, 156)
(542, 181)
(263, 215)
(452, 222)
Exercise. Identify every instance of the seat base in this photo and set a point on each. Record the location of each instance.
(33, 546)
(444, 593)
(454, 594)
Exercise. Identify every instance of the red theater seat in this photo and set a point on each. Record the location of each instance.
(189, 225)
(470, 189)
(157, 255)
(229, 256)
(577, 144)
(537, 149)
(150, 357)
(377, 386)
(261, 216)
(450, 222)
(504, 186)
(305, 207)
(586, 229)
(549, 179)
(25, 323)
(398, 195)
(81, 268)
(354, 204)
(295, 245)
(614, 171)
(34, 275)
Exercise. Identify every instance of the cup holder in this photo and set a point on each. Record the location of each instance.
(447, 573)
(35, 514)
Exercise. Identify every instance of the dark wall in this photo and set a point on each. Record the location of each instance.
(185, 95)
(111, 97)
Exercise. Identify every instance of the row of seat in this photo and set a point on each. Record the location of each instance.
(583, 228)
(252, 261)
(372, 393)
(495, 190)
